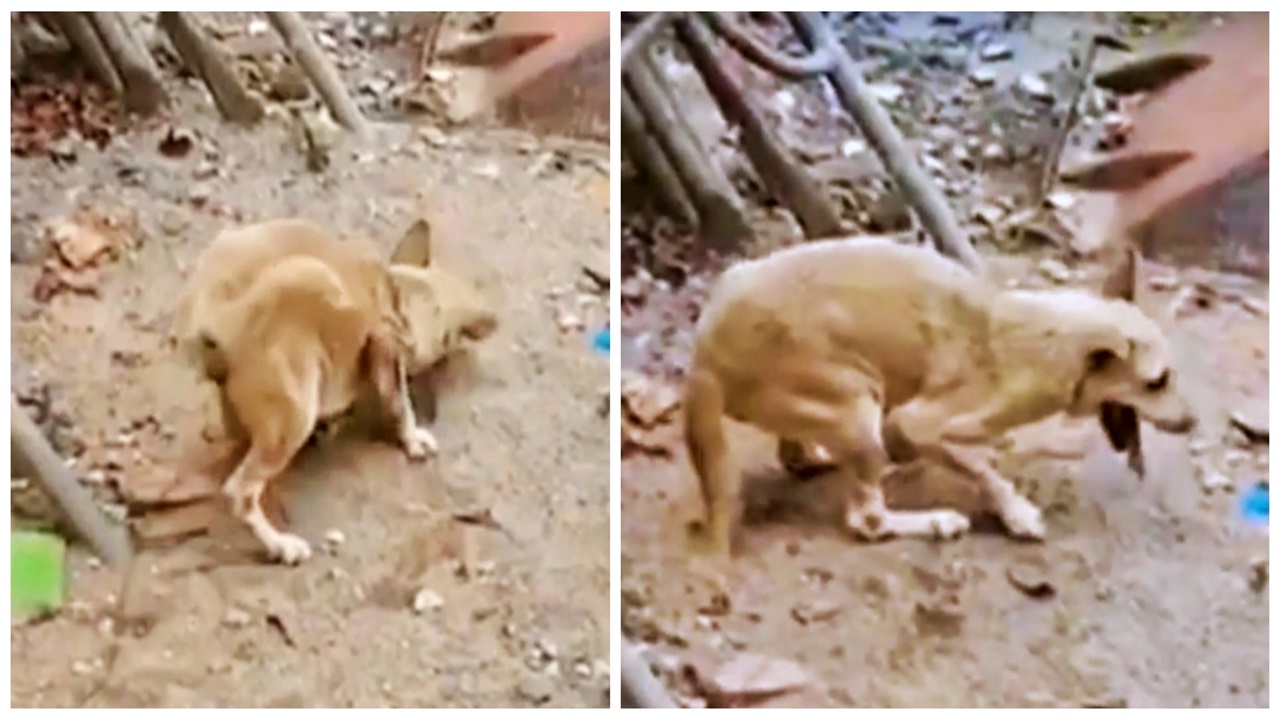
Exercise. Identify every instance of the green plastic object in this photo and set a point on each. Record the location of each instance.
(36, 577)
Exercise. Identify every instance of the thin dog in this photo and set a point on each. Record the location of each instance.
(867, 352)
(295, 326)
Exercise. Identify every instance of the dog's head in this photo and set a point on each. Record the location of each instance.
(445, 312)
(1128, 371)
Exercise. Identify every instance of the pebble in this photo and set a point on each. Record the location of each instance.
(334, 539)
(995, 51)
(536, 688)
(236, 618)
(1213, 482)
(1055, 271)
(983, 77)
(426, 600)
(1035, 88)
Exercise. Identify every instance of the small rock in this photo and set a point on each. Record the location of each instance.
(993, 52)
(1054, 270)
(1031, 578)
(1212, 482)
(96, 476)
(1259, 573)
(82, 667)
(488, 170)
(849, 148)
(426, 600)
(1061, 200)
(983, 77)
(536, 688)
(887, 93)
(433, 136)
(1162, 282)
(569, 322)
(988, 214)
(199, 194)
(1253, 424)
(993, 152)
(1035, 88)
(236, 618)
(258, 27)
(334, 539)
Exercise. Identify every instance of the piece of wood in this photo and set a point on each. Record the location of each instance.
(722, 221)
(791, 68)
(203, 57)
(652, 161)
(33, 457)
(782, 176)
(876, 124)
(323, 74)
(78, 31)
(640, 689)
(143, 91)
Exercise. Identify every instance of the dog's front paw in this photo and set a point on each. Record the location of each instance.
(1023, 519)
(948, 524)
(419, 443)
(289, 549)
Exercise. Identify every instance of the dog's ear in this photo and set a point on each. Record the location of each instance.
(1122, 282)
(414, 248)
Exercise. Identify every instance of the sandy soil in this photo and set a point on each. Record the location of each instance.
(1145, 594)
(516, 609)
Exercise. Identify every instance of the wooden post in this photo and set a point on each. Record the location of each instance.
(35, 458)
(204, 58)
(322, 73)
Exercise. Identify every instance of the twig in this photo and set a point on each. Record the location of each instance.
(643, 33)
(792, 68)
(1049, 171)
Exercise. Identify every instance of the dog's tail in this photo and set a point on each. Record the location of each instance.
(705, 441)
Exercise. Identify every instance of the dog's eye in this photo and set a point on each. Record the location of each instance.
(1159, 383)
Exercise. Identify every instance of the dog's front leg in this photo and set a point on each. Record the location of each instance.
(391, 379)
(862, 460)
(962, 443)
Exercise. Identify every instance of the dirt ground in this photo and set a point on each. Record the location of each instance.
(1144, 594)
(511, 610)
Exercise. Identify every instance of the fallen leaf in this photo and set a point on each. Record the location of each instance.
(79, 244)
(751, 678)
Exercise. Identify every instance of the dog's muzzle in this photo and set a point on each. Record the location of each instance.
(1181, 426)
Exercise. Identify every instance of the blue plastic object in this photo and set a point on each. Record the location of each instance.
(1255, 504)
(601, 341)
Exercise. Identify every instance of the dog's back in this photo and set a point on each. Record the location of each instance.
(802, 314)
(237, 259)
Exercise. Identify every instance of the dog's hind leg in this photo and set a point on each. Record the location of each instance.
(863, 460)
(390, 378)
(277, 431)
(960, 441)
(709, 453)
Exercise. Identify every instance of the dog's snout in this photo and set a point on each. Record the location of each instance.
(1180, 426)
(481, 327)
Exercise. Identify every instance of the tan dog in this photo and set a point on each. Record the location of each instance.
(870, 351)
(296, 326)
